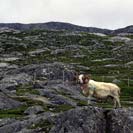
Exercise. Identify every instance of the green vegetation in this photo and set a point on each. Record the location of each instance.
(44, 125)
(13, 113)
(29, 101)
(88, 50)
(26, 89)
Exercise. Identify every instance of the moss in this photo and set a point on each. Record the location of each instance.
(44, 125)
(23, 89)
(127, 91)
(61, 108)
(13, 113)
(82, 103)
(28, 101)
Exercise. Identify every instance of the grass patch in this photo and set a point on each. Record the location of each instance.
(22, 90)
(13, 113)
(82, 103)
(29, 102)
(61, 108)
(43, 125)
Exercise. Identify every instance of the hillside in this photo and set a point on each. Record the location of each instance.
(38, 93)
(64, 26)
(54, 26)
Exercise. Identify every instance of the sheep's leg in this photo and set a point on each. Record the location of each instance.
(118, 101)
(90, 96)
(89, 100)
(114, 100)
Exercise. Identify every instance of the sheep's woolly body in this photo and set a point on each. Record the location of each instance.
(100, 90)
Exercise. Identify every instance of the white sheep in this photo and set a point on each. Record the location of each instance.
(100, 90)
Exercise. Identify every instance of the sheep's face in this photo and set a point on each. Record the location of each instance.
(85, 79)
(84, 88)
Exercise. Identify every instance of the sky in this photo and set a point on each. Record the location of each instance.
(110, 14)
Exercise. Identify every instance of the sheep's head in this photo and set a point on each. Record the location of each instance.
(81, 78)
(85, 78)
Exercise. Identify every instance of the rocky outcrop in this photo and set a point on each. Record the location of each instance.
(50, 71)
(34, 110)
(18, 79)
(120, 121)
(8, 103)
(91, 120)
(80, 120)
(38, 91)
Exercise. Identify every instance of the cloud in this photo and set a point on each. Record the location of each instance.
(99, 13)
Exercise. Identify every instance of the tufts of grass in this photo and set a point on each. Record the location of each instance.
(82, 103)
(61, 108)
(22, 90)
(29, 102)
(13, 113)
(44, 125)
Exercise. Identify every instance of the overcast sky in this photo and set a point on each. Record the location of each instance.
(110, 14)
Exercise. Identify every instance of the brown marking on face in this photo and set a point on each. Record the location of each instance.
(84, 86)
(86, 79)
(85, 89)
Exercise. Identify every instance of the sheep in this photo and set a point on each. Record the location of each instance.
(99, 90)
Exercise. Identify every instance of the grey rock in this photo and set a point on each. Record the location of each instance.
(58, 51)
(51, 71)
(119, 39)
(38, 51)
(129, 63)
(116, 81)
(17, 79)
(65, 89)
(111, 65)
(8, 103)
(33, 110)
(9, 59)
(22, 125)
(56, 98)
(6, 121)
(3, 65)
(80, 120)
(120, 121)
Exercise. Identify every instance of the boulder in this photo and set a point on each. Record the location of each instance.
(80, 120)
(120, 121)
(8, 103)
(33, 110)
(58, 51)
(3, 65)
(17, 79)
(51, 71)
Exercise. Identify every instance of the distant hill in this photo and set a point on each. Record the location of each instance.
(128, 29)
(53, 26)
(64, 26)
